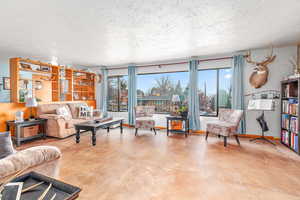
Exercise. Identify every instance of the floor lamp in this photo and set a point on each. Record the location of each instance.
(262, 105)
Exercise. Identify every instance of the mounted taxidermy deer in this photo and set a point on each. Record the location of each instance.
(259, 76)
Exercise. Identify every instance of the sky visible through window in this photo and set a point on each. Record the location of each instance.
(147, 81)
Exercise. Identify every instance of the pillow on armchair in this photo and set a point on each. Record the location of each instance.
(64, 111)
(6, 146)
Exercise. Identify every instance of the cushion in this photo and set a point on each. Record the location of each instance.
(85, 112)
(48, 108)
(28, 158)
(74, 108)
(65, 112)
(6, 146)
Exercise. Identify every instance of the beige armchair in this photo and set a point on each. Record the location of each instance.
(144, 118)
(226, 125)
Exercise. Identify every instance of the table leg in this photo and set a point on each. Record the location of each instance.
(7, 126)
(44, 130)
(94, 137)
(17, 134)
(77, 135)
(108, 129)
(121, 127)
(186, 128)
(167, 127)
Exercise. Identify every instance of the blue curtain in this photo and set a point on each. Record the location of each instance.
(238, 87)
(103, 95)
(132, 101)
(194, 115)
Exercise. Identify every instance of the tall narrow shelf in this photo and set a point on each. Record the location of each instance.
(290, 90)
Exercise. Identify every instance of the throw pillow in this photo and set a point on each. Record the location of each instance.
(85, 111)
(63, 111)
(6, 146)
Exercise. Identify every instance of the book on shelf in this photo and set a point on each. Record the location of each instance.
(290, 106)
(294, 124)
(285, 121)
(285, 137)
(294, 141)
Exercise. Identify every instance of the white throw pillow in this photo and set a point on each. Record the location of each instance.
(63, 111)
(85, 112)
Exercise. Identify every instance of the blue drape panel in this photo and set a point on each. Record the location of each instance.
(132, 101)
(103, 95)
(193, 98)
(238, 87)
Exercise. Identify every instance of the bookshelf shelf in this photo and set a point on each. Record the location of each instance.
(289, 114)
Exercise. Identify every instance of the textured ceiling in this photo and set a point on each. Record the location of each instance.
(112, 32)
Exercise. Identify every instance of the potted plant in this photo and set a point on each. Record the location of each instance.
(183, 111)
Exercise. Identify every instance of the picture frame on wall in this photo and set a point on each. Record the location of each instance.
(6, 83)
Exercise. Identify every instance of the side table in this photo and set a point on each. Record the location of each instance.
(17, 129)
(185, 120)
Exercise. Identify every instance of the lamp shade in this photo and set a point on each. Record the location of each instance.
(175, 98)
(261, 104)
(31, 102)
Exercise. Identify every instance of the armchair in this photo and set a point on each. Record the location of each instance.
(144, 118)
(226, 125)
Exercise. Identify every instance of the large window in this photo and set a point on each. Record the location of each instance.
(117, 94)
(214, 90)
(158, 89)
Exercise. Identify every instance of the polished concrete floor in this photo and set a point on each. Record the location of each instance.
(160, 167)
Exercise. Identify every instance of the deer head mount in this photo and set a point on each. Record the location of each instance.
(259, 76)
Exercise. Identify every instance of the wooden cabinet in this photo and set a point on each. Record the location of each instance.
(66, 84)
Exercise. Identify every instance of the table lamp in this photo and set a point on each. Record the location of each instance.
(30, 103)
(262, 105)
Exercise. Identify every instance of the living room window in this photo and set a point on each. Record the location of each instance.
(214, 90)
(157, 89)
(117, 94)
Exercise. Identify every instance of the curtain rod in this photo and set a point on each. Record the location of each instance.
(175, 63)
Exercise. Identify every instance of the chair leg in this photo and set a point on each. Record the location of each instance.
(206, 135)
(237, 139)
(219, 136)
(225, 141)
(136, 131)
(154, 130)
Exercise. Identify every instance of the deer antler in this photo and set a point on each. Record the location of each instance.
(248, 58)
(269, 58)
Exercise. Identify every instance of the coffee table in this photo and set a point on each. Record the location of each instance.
(93, 126)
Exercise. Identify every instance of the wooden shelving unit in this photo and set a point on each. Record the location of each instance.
(83, 86)
(80, 83)
(290, 90)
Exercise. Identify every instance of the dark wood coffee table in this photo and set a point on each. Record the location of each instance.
(93, 126)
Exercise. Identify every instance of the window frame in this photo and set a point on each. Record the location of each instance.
(218, 83)
(119, 90)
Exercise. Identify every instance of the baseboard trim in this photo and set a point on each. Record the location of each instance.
(201, 132)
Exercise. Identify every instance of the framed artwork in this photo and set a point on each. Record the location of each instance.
(6, 83)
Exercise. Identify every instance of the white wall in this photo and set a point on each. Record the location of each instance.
(279, 69)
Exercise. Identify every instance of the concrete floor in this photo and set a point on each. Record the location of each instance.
(160, 167)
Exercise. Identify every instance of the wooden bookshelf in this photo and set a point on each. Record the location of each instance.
(80, 83)
(290, 90)
(83, 86)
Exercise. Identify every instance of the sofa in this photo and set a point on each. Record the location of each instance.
(43, 156)
(58, 125)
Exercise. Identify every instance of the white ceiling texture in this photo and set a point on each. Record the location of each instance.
(116, 32)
